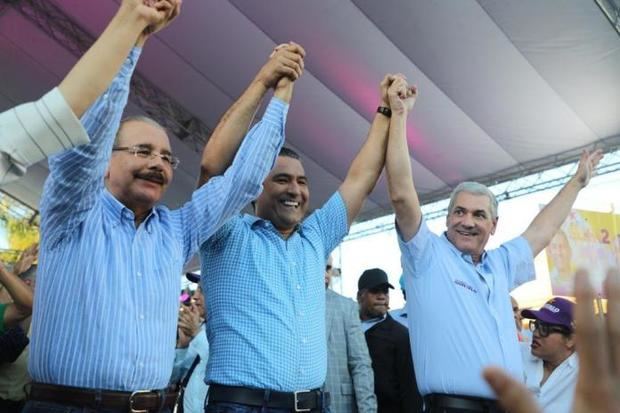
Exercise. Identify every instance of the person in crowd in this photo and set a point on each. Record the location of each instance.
(551, 364)
(33, 131)
(192, 353)
(14, 350)
(18, 294)
(522, 336)
(264, 279)
(104, 240)
(400, 314)
(598, 378)
(350, 379)
(454, 273)
(388, 343)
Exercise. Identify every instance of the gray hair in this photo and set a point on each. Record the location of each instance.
(137, 118)
(474, 188)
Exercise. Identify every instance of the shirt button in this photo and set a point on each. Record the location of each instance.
(298, 287)
(304, 340)
(139, 274)
(141, 316)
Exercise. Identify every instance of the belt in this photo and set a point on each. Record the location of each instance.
(299, 401)
(134, 402)
(476, 404)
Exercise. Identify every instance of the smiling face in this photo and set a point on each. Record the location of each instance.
(137, 182)
(561, 253)
(284, 200)
(470, 223)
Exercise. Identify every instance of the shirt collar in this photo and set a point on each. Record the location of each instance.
(253, 221)
(463, 255)
(117, 212)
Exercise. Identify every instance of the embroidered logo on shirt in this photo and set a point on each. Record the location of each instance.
(465, 285)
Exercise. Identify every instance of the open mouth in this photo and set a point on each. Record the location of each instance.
(290, 204)
(466, 233)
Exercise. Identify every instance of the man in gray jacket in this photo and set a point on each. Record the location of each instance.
(350, 379)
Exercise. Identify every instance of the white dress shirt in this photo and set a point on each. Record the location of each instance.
(32, 131)
(556, 394)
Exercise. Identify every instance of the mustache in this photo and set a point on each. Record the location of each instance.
(153, 176)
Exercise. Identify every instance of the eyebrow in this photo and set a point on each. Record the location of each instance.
(461, 208)
(150, 146)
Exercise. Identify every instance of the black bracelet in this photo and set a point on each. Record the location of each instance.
(385, 111)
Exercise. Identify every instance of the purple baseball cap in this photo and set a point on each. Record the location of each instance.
(558, 311)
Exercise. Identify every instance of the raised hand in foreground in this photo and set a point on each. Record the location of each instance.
(598, 341)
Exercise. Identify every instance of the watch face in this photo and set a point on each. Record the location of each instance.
(384, 111)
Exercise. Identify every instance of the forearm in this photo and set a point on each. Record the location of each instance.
(95, 70)
(229, 132)
(368, 164)
(365, 168)
(549, 220)
(18, 290)
(401, 188)
(224, 196)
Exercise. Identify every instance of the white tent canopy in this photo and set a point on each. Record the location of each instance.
(505, 87)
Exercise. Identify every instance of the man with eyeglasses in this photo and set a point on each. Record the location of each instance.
(550, 362)
(104, 327)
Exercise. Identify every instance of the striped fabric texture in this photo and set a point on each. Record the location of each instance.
(107, 292)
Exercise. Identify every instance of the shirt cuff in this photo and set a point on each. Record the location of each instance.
(276, 112)
(41, 129)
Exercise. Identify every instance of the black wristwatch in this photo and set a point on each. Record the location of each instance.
(385, 111)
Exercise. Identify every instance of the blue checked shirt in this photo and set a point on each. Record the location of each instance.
(266, 300)
(107, 292)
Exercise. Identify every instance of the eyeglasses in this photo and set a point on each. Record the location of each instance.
(147, 153)
(544, 329)
(328, 268)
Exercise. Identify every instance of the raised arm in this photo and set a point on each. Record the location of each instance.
(94, 72)
(33, 131)
(286, 61)
(369, 161)
(76, 175)
(398, 164)
(549, 220)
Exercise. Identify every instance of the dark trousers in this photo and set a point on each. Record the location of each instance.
(34, 406)
(222, 407)
(10, 406)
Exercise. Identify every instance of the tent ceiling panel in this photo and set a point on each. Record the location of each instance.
(503, 85)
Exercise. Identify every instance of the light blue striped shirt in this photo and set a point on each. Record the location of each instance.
(107, 292)
(461, 317)
(266, 300)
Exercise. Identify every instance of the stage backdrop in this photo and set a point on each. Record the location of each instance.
(18, 228)
(587, 239)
